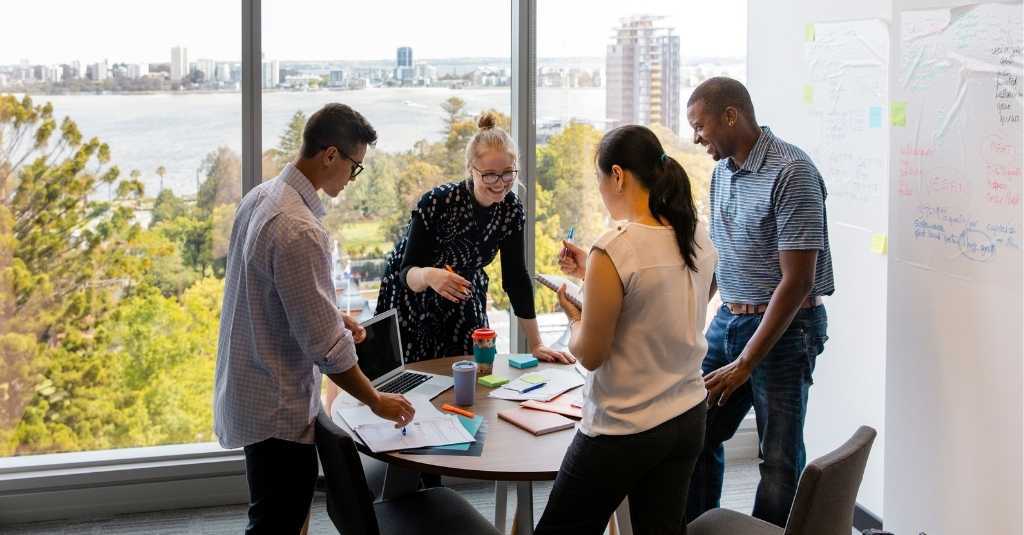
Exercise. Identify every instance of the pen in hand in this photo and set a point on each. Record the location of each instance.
(568, 236)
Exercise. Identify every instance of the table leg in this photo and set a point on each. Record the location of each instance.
(501, 503)
(398, 482)
(524, 508)
(621, 518)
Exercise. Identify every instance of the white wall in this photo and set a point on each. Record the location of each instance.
(849, 382)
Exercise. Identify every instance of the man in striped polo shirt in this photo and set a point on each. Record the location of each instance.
(767, 219)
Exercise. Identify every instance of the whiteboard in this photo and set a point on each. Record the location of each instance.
(954, 369)
(843, 103)
(846, 95)
(957, 128)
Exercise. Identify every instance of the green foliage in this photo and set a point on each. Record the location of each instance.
(223, 184)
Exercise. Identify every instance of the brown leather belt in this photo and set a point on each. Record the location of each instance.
(746, 308)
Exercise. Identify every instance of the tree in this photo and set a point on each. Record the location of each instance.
(167, 207)
(161, 172)
(223, 184)
(63, 257)
(290, 142)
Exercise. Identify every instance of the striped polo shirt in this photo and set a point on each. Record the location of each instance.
(774, 202)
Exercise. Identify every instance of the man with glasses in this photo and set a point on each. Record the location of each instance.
(280, 328)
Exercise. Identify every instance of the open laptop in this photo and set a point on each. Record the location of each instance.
(382, 360)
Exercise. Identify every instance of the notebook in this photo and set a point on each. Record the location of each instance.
(572, 290)
(563, 405)
(536, 422)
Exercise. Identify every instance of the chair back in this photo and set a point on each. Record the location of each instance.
(827, 493)
(349, 502)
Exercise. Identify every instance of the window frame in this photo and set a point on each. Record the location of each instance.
(163, 477)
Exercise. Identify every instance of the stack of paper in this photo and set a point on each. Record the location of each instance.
(430, 427)
(555, 382)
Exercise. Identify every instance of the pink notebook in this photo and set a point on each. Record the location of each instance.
(536, 422)
(561, 405)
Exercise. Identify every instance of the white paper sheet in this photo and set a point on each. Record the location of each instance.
(558, 382)
(357, 414)
(419, 434)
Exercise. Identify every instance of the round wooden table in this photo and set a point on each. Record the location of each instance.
(509, 453)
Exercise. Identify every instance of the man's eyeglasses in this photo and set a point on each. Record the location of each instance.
(491, 178)
(357, 167)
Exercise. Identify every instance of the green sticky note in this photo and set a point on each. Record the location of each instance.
(879, 244)
(809, 32)
(492, 381)
(808, 94)
(533, 378)
(898, 114)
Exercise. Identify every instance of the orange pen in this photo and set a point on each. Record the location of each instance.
(456, 410)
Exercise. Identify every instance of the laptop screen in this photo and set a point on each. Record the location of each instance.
(381, 352)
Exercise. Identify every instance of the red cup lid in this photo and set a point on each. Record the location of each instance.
(484, 334)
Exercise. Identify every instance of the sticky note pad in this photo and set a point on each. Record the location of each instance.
(522, 361)
(879, 244)
(492, 381)
(875, 117)
(533, 378)
(809, 32)
(898, 114)
(808, 94)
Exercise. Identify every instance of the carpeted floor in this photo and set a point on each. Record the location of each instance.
(740, 483)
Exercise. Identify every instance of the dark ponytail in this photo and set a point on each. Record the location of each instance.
(637, 149)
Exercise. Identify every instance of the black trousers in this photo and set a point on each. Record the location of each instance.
(652, 468)
(281, 477)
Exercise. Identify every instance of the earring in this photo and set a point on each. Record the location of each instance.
(732, 123)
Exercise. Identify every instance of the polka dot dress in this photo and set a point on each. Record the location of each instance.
(432, 326)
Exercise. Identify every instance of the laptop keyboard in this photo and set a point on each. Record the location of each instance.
(403, 383)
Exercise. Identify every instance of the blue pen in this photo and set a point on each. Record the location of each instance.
(531, 388)
(568, 236)
(403, 431)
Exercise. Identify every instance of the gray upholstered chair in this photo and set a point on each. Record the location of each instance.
(352, 509)
(824, 501)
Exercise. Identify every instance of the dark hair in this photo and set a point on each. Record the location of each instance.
(336, 125)
(637, 149)
(719, 93)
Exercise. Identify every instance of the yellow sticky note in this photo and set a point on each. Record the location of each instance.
(808, 94)
(809, 32)
(898, 114)
(879, 244)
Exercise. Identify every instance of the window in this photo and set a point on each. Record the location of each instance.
(420, 75)
(617, 65)
(113, 229)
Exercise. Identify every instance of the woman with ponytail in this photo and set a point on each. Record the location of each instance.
(646, 286)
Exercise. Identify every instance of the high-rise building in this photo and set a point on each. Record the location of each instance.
(223, 72)
(642, 75)
(404, 57)
(209, 69)
(179, 63)
(271, 73)
(138, 70)
(337, 78)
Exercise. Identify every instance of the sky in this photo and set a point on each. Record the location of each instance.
(61, 31)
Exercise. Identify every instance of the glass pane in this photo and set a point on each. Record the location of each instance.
(420, 79)
(618, 65)
(119, 173)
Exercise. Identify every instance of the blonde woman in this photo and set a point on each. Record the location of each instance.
(463, 225)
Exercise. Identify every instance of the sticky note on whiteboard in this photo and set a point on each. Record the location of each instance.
(879, 243)
(808, 94)
(809, 32)
(875, 117)
(898, 113)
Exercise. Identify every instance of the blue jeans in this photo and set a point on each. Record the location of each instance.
(777, 389)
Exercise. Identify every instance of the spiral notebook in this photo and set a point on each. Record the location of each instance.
(572, 290)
